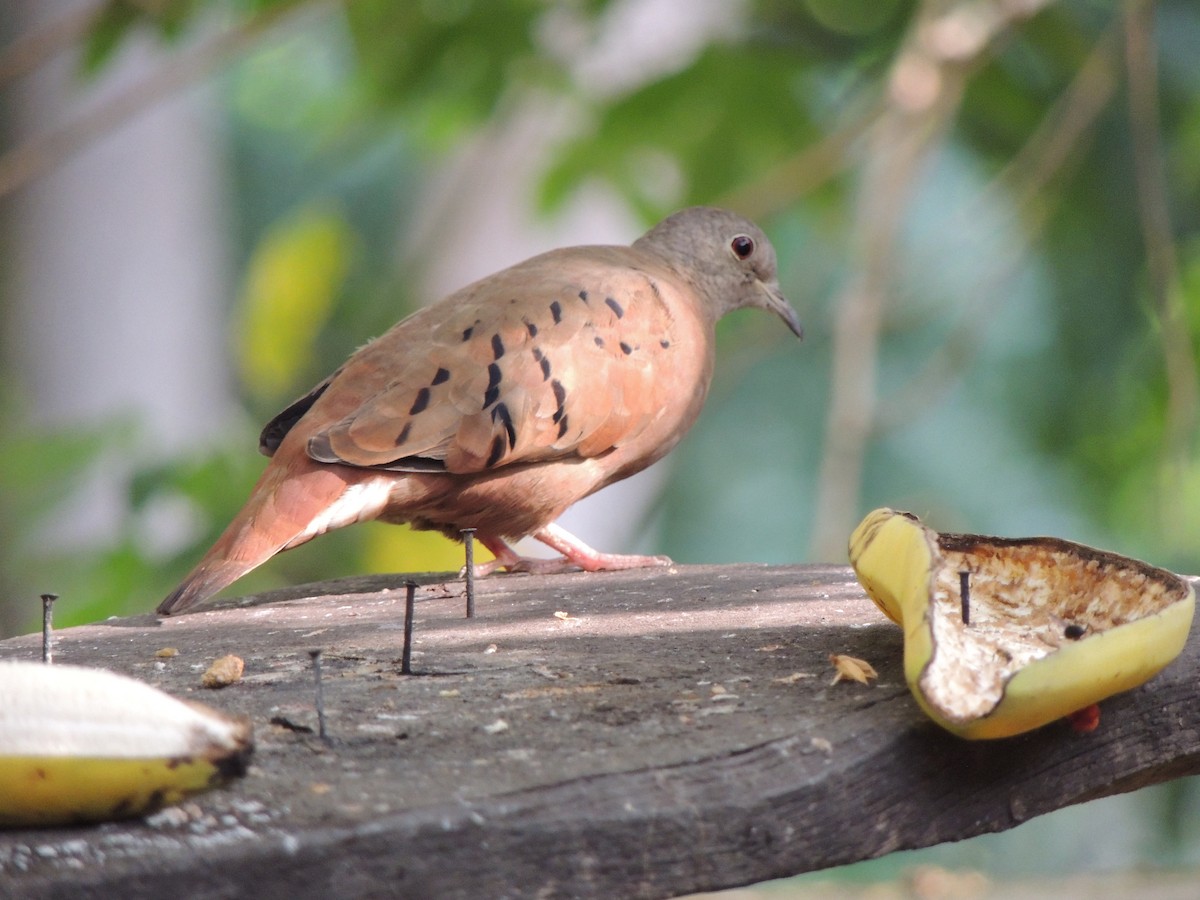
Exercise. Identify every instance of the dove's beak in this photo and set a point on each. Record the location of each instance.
(777, 303)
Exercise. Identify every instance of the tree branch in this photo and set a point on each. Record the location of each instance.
(1175, 336)
(924, 88)
(805, 171)
(1024, 179)
(30, 50)
(45, 152)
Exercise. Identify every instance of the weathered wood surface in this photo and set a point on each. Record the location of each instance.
(676, 731)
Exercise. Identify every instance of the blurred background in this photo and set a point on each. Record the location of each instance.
(986, 212)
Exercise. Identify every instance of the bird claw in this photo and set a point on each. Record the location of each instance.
(580, 555)
(576, 555)
(482, 570)
(615, 562)
(601, 562)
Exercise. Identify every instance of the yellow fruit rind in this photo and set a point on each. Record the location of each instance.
(79, 745)
(44, 791)
(1054, 626)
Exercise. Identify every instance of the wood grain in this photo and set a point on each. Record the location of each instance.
(634, 734)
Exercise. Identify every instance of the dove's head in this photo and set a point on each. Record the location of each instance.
(727, 258)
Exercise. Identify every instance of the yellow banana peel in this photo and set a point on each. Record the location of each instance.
(87, 745)
(1049, 626)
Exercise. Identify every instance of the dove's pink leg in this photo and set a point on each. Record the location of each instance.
(506, 556)
(575, 555)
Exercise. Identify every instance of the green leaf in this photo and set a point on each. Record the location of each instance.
(737, 110)
(113, 22)
(448, 64)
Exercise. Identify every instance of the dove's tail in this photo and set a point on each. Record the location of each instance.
(286, 508)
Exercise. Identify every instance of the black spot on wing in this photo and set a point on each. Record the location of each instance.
(440, 376)
(615, 306)
(403, 435)
(562, 426)
(501, 413)
(599, 341)
(421, 402)
(531, 328)
(541, 360)
(560, 397)
(625, 348)
(556, 311)
(497, 346)
(496, 452)
(583, 295)
(664, 343)
(492, 394)
(468, 331)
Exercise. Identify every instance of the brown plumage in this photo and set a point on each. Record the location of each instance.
(501, 405)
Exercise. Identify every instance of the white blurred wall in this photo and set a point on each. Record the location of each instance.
(118, 268)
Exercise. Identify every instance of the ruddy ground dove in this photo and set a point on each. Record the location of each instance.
(501, 405)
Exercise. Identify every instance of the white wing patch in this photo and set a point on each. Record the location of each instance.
(358, 503)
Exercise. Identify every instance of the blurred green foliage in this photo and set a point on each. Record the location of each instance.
(1055, 385)
(737, 110)
(115, 20)
(1037, 304)
(1022, 378)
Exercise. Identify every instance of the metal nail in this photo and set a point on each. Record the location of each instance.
(406, 654)
(48, 627)
(316, 661)
(964, 589)
(469, 543)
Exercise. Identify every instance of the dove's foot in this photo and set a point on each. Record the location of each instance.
(507, 558)
(579, 555)
(575, 555)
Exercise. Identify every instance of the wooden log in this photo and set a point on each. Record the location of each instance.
(636, 734)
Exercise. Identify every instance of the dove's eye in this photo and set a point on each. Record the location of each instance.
(742, 246)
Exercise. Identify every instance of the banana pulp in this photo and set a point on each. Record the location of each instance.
(1048, 627)
(86, 745)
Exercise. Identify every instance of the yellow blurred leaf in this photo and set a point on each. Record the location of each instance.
(398, 548)
(292, 281)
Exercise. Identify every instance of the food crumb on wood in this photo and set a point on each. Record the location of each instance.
(851, 668)
(223, 672)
